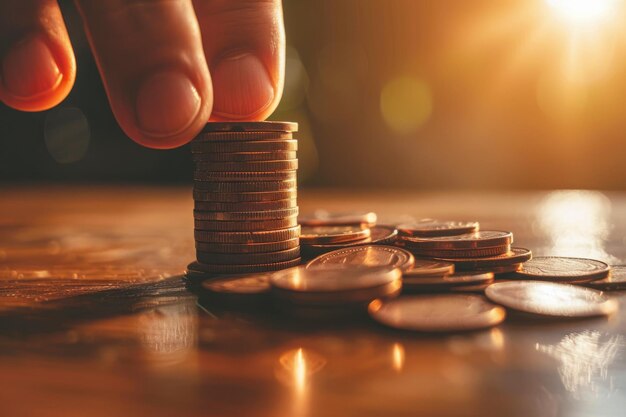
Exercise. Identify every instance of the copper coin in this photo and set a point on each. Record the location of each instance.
(368, 255)
(348, 299)
(245, 206)
(239, 216)
(474, 289)
(265, 126)
(550, 299)
(514, 256)
(447, 280)
(248, 284)
(333, 234)
(217, 197)
(247, 258)
(504, 269)
(244, 176)
(244, 187)
(426, 267)
(198, 269)
(562, 269)
(615, 281)
(437, 313)
(242, 136)
(246, 226)
(252, 146)
(254, 166)
(247, 237)
(435, 228)
(247, 247)
(243, 156)
(449, 255)
(379, 235)
(482, 239)
(326, 218)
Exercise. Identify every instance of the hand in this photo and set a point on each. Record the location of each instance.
(167, 65)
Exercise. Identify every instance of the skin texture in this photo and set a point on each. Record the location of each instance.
(168, 66)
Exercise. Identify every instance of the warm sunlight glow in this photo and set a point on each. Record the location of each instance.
(583, 11)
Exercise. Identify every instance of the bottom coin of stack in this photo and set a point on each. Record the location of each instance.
(245, 212)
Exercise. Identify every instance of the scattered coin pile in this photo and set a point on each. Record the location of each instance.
(245, 207)
(457, 277)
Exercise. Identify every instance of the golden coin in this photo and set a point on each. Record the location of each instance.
(426, 267)
(326, 218)
(243, 156)
(200, 269)
(247, 237)
(514, 256)
(550, 299)
(248, 284)
(263, 126)
(245, 205)
(436, 228)
(245, 215)
(333, 234)
(379, 235)
(252, 146)
(449, 255)
(230, 176)
(368, 255)
(562, 269)
(244, 187)
(482, 239)
(437, 313)
(254, 166)
(615, 281)
(246, 226)
(241, 136)
(247, 247)
(447, 280)
(219, 197)
(213, 258)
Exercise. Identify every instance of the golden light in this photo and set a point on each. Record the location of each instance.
(583, 11)
(406, 104)
(397, 355)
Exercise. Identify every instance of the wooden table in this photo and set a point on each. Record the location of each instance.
(95, 320)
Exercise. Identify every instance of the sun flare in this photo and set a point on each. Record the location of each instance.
(582, 12)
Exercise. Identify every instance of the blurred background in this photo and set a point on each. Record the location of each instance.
(483, 94)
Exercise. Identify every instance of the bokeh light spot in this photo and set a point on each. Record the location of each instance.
(67, 135)
(406, 104)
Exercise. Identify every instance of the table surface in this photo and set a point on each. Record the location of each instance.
(95, 319)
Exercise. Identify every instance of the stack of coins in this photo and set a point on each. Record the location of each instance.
(245, 207)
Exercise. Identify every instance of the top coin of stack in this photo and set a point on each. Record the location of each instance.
(245, 207)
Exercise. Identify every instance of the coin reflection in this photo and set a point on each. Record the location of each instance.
(297, 365)
(397, 356)
(584, 362)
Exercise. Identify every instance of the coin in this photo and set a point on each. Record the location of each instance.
(252, 146)
(514, 256)
(247, 247)
(243, 156)
(379, 235)
(265, 126)
(245, 215)
(217, 197)
(368, 255)
(615, 281)
(482, 239)
(437, 313)
(245, 206)
(244, 187)
(247, 258)
(449, 255)
(247, 237)
(244, 176)
(436, 228)
(425, 267)
(254, 166)
(241, 136)
(504, 269)
(246, 226)
(562, 269)
(446, 280)
(550, 299)
(200, 269)
(249, 284)
(326, 218)
(333, 234)
(475, 288)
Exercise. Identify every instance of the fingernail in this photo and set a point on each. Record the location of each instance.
(167, 103)
(242, 86)
(29, 69)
